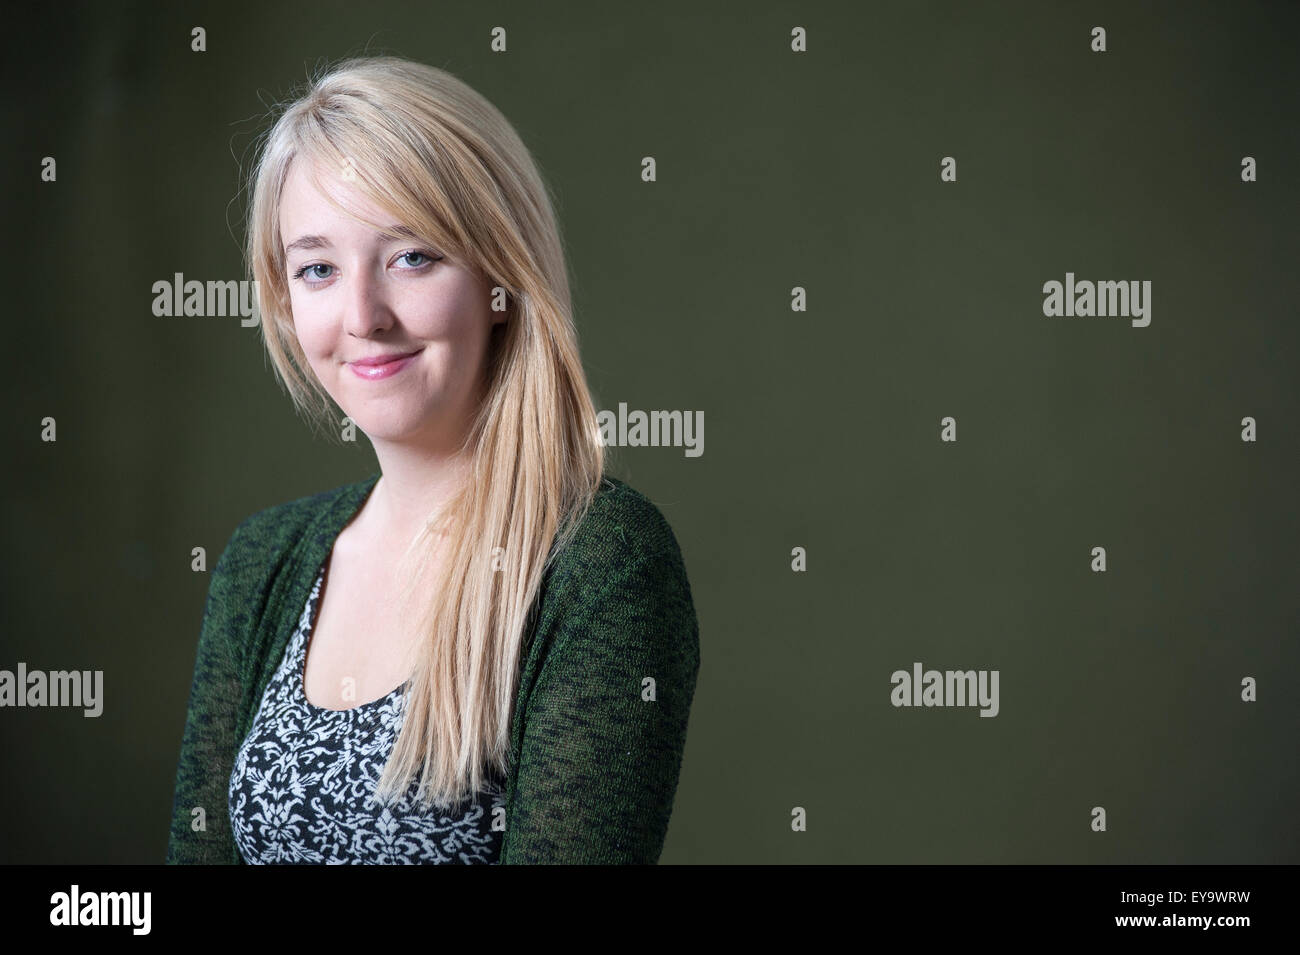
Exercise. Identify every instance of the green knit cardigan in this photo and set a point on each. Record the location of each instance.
(593, 765)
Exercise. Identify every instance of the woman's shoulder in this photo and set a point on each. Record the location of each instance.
(618, 596)
(623, 520)
(624, 536)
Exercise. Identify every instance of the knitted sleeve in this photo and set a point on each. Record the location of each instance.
(200, 826)
(605, 725)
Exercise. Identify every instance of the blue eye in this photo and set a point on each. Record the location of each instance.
(418, 255)
(307, 268)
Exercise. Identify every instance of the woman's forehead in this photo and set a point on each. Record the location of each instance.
(313, 197)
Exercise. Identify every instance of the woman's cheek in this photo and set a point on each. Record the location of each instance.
(311, 337)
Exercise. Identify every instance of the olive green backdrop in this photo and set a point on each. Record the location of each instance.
(775, 170)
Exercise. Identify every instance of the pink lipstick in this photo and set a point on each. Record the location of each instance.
(381, 366)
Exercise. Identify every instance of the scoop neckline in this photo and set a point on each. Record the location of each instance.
(321, 576)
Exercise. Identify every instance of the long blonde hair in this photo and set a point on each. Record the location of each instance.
(427, 149)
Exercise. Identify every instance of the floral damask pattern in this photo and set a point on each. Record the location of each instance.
(304, 779)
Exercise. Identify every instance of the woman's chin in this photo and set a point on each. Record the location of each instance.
(391, 430)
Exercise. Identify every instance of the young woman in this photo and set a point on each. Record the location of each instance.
(487, 652)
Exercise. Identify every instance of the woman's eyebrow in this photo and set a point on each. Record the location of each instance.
(390, 234)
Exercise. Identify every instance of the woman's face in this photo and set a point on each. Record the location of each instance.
(396, 332)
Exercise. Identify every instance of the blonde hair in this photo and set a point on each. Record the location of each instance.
(430, 151)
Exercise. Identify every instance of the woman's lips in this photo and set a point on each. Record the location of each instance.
(381, 366)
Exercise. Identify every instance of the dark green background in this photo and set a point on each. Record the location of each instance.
(821, 428)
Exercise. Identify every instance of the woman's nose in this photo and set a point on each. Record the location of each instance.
(368, 308)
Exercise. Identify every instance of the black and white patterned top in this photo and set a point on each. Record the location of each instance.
(304, 779)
